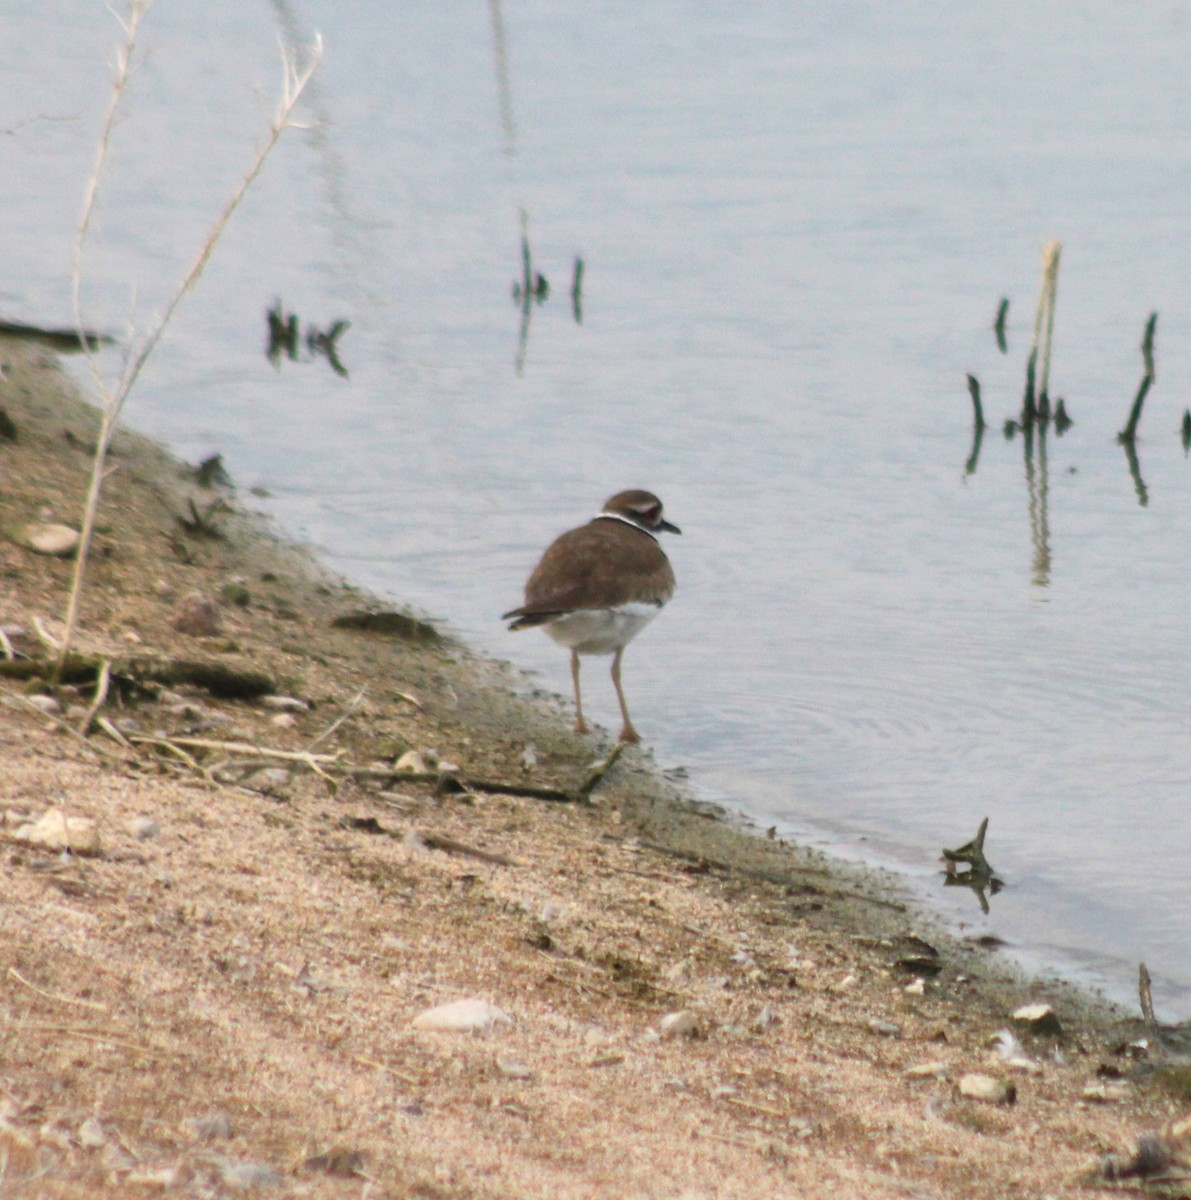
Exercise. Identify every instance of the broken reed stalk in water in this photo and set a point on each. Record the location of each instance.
(1038, 366)
(296, 75)
(1129, 433)
(977, 407)
(999, 325)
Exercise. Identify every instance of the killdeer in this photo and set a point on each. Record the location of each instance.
(599, 585)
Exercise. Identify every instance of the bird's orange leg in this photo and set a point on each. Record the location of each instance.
(580, 723)
(628, 733)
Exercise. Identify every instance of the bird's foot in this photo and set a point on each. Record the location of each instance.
(630, 735)
(581, 726)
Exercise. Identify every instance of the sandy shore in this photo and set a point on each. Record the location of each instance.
(224, 993)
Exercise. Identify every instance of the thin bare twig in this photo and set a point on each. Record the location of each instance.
(352, 705)
(55, 995)
(97, 701)
(66, 727)
(295, 76)
(193, 743)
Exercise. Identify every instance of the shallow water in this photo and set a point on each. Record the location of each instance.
(796, 229)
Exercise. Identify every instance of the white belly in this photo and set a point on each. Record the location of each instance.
(601, 630)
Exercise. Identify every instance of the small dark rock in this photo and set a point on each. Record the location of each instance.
(197, 615)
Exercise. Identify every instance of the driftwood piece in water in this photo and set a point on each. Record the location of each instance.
(391, 623)
(980, 876)
(971, 853)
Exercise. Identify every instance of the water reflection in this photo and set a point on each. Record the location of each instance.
(283, 329)
(532, 288)
(1128, 436)
(1038, 491)
(500, 54)
(999, 326)
(1139, 485)
(978, 425)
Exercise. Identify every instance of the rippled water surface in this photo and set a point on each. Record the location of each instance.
(796, 229)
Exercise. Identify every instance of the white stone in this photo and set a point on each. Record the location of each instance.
(91, 1134)
(928, 1070)
(285, 704)
(412, 761)
(143, 828)
(679, 1024)
(46, 537)
(57, 831)
(463, 1016)
(984, 1087)
(513, 1068)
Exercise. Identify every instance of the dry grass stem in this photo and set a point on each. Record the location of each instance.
(55, 995)
(296, 75)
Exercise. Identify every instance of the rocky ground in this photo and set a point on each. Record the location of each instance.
(294, 840)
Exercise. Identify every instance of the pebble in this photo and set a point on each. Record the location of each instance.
(91, 1134)
(285, 704)
(249, 1175)
(45, 704)
(55, 830)
(196, 615)
(1038, 1018)
(1023, 1066)
(683, 1023)
(463, 1016)
(46, 537)
(764, 1019)
(984, 1087)
(143, 828)
(928, 1070)
(1106, 1093)
(208, 1127)
(412, 761)
(512, 1068)
(885, 1028)
(284, 720)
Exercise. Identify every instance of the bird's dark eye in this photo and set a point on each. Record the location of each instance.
(651, 515)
